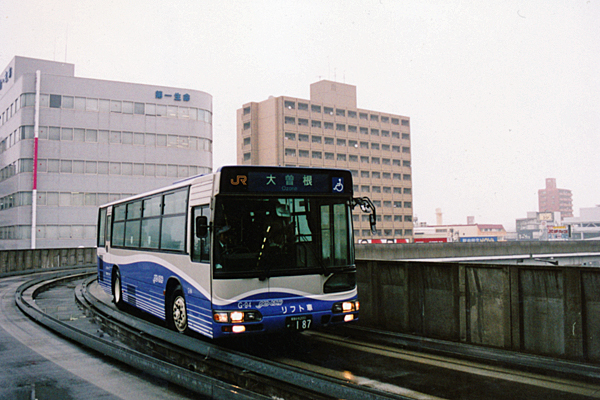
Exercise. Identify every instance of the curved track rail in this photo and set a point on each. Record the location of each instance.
(202, 367)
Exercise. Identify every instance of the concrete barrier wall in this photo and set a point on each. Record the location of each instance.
(12, 261)
(549, 311)
(442, 250)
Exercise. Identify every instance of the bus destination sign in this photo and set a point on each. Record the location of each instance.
(290, 182)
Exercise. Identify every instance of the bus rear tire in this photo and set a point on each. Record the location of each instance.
(117, 289)
(177, 318)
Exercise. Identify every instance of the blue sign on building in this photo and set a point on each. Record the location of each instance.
(176, 96)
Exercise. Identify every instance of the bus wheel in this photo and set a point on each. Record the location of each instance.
(117, 290)
(177, 312)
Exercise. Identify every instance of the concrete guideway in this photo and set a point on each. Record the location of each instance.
(37, 363)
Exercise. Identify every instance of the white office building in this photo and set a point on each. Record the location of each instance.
(69, 144)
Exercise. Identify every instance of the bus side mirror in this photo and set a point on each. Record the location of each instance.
(201, 226)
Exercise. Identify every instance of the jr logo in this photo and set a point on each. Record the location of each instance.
(240, 180)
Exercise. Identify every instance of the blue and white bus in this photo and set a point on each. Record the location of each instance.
(245, 249)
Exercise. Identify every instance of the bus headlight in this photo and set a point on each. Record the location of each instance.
(236, 317)
(345, 307)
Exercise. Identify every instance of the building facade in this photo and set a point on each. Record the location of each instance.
(69, 144)
(586, 226)
(330, 131)
(552, 199)
(470, 232)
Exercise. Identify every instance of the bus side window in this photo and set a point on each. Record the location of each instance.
(101, 227)
(200, 245)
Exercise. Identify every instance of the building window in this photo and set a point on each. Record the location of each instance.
(376, 174)
(328, 140)
(352, 128)
(329, 156)
(375, 160)
(246, 125)
(363, 116)
(406, 177)
(316, 139)
(385, 133)
(247, 141)
(315, 123)
(302, 137)
(375, 146)
(55, 101)
(374, 117)
(407, 190)
(290, 120)
(246, 110)
(405, 136)
(352, 143)
(407, 204)
(328, 125)
(290, 105)
(351, 114)
(328, 110)
(341, 157)
(340, 113)
(364, 131)
(406, 150)
(387, 175)
(364, 159)
(303, 106)
(376, 189)
(247, 156)
(315, 108)
(353, 158)
(290, 136)
(405, 122)
(365, 174)
(290, 152)
(341, 142)
(395, 121)
(375, 132)
(385, 120)
(317, 155)
(303, 153)
(365, 189)
(406, 163)
(385, 147)
(364, 145)
(340, 127)
(302, 122)
(408, 218)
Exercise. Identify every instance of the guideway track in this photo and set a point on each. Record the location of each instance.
(205, 368)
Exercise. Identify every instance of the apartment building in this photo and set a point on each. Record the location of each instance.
(69, 144)
(554, 199)
(329, 130)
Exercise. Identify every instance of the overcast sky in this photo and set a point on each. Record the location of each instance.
(501, 94)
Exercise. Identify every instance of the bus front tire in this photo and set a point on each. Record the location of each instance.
(177, 311)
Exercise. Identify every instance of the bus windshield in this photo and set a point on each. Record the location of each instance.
(267, 236)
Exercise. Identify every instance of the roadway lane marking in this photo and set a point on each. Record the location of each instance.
(527, 378)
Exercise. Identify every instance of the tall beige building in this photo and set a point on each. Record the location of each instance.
(330, 131)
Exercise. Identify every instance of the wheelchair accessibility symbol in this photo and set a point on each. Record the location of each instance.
(338, 185)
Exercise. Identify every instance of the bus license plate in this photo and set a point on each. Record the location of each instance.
(298, 323)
